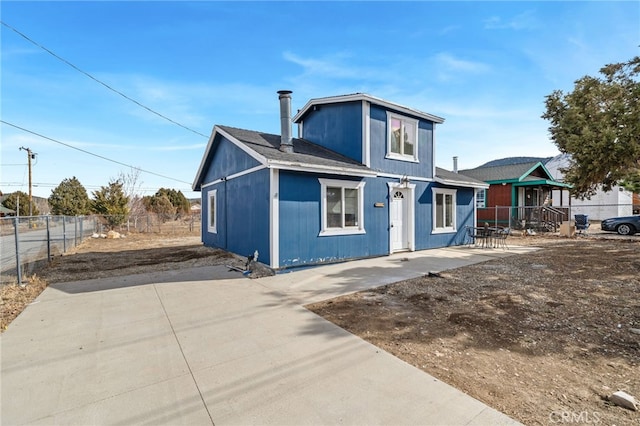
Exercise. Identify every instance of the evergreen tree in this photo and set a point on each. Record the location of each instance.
(161, 205)
(598, 123)
(112, 203)
(70, 198)
(177, 200)
(21, 200)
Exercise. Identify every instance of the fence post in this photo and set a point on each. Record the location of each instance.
(17, 234)
(75, 231)
(64, 234)
(48, 240)
(495, 220)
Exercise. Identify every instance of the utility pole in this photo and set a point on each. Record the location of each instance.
(30, 156)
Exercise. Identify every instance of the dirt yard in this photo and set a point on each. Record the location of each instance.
(543, 337)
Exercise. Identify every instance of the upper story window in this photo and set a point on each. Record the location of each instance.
(402, 138)
(342, 207)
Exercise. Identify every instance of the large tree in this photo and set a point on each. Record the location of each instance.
(156, 203)
(160, 205)
(111, 202)
(70, 198)
(598, 124)
(19, 202)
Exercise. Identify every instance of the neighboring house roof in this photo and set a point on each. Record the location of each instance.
(457, 179)
(365, 97)
(264, 147)
(510, 161)
(4, 210)
(512, 173)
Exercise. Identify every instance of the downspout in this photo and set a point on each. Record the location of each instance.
(226, 215)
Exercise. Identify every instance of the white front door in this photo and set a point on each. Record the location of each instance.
(398, 225)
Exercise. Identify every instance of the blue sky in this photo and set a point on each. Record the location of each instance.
(483, 66)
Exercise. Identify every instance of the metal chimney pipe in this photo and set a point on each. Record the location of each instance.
(286, 144)
(455, 164)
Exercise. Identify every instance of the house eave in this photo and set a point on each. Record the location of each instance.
(365, 97)
(543, 182)
(315, 168)
(461, 183)
(218, 131)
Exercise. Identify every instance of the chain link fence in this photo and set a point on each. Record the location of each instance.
(548, 217)
(29, 242)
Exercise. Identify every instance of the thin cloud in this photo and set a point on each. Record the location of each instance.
(335, 67)
(523, 21)
(449, 29)
(452, 63)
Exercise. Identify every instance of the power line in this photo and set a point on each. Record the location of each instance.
(91, 153)
(100, 82)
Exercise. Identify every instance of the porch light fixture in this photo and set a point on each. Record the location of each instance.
(405, 182)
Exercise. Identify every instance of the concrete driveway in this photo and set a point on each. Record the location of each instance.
(208, 346)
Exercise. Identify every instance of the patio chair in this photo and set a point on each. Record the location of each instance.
(582, 223)
(478, 236)
(500, 238)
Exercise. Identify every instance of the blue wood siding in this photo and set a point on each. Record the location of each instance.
(378, 140)
(243, 215)
(300, 223)
(242, 203)
(226, 159)
(337, 127)
(425, 239)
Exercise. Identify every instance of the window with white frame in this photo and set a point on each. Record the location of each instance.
(212, 220)
(444, 210)
(342, 205)
(481, 198)
(402, 137)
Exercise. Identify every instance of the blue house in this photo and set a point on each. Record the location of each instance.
(359, 181)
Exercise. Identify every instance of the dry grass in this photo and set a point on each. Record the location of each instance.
(15, 298)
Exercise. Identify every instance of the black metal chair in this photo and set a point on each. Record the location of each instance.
(478, 236)
(500, 238)
(582, 223)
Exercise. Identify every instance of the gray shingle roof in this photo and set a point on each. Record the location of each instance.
(509, 161)
(507, 172)
(304, 152)
(445, 176)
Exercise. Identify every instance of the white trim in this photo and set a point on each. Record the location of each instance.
(372, 99)
(461, 183)
(475, 209)
(311, 168)
(445, 229)
(215, 182)
(476, 194)
(397, 176)
(204, 157)
(411, 217)
(235, 175)
(405, 122)
(274, 218)
(366, 133)
(212, 195)
(217, 130)
(350, 184)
